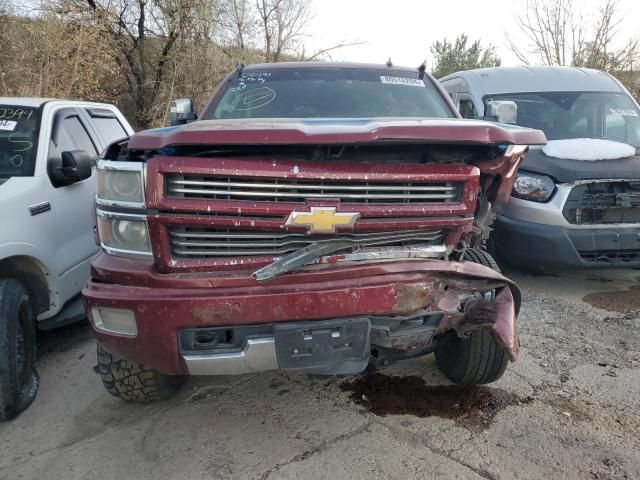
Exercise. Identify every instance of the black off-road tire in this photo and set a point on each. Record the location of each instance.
(18, 377)
(134, 382)
(476, 358)
(475, 255)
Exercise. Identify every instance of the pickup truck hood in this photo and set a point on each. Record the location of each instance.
(334, 131)
(568, 171)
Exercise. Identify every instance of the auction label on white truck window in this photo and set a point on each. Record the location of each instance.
(414, 82)
(8, 125)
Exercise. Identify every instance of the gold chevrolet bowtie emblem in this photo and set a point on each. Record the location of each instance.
(322, 219)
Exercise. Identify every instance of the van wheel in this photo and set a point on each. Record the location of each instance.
(476, 358)
(134, 382)
(18, 378)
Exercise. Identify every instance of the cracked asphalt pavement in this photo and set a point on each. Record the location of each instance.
(569, 408)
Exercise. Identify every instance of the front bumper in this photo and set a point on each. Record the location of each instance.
(166, 304)
(553, 247)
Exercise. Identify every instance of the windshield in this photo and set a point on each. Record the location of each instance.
(18, 140)
(329, 93)
(565, 115)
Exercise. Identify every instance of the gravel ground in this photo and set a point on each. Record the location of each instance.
(569, 408)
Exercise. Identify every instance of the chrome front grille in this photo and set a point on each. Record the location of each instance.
(212, 243)
(287, 190)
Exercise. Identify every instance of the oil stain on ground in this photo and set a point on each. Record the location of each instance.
(622, 301)
(471, 407)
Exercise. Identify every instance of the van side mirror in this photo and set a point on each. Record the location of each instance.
(501, 111)
(71, 167)
(181, 112)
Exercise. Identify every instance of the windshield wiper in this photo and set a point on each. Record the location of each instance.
(301, 257)
(315, 250)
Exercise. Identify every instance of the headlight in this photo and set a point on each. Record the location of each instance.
(120, 183)
(123, 234)
(530, 186)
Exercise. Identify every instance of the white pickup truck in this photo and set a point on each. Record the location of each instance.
(48, 149)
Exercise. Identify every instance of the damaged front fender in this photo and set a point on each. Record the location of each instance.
(498, 315)
(460, 291)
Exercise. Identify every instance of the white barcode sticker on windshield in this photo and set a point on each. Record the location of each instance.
(623, 112)
(8, 125)
(414, 82)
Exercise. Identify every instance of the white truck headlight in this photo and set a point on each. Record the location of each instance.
(120, 184)
(533, 187)
(123, 233)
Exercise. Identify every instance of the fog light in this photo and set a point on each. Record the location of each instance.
(115, 320)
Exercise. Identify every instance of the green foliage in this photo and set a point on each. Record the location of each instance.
(453, 57)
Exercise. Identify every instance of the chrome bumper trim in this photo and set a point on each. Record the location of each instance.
(258, 355)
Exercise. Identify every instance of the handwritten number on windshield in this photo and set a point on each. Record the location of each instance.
(16, 161)
(15, 114)
(25, 144)
(19, 142)
(251, 78)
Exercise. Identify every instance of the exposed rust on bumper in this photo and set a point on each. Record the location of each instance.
(223, 314)
(409, 298)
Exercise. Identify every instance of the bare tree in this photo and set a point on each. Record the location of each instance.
(282, 25)
(598, 52)
(49, 55)
(143, 35)
(551, 31)
(140, 54)
(237, 19)
(558, 33)
(275, 28)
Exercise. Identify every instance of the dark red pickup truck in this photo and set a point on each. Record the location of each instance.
(317, 217)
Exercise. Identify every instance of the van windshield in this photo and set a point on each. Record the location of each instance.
(329, 93)
(565, 115)
(18, 140)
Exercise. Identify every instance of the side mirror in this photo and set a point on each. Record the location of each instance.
(501, 111)
(73, 166)
(181, 112)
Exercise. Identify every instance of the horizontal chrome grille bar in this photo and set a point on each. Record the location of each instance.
(192, 243)
(302, 186)
(354, 196)
(298, 190)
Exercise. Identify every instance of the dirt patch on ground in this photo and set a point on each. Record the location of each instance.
(471, 407)
(622, 301)
(567, 408)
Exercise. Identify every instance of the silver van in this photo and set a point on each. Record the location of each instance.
(576, 201)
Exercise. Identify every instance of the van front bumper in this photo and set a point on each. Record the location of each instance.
(167, 306)
(554, 247)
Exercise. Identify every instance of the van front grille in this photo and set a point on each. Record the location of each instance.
(604, 203)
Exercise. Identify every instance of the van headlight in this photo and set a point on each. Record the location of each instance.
(533, 187)
(123, 233)
(120, 184)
